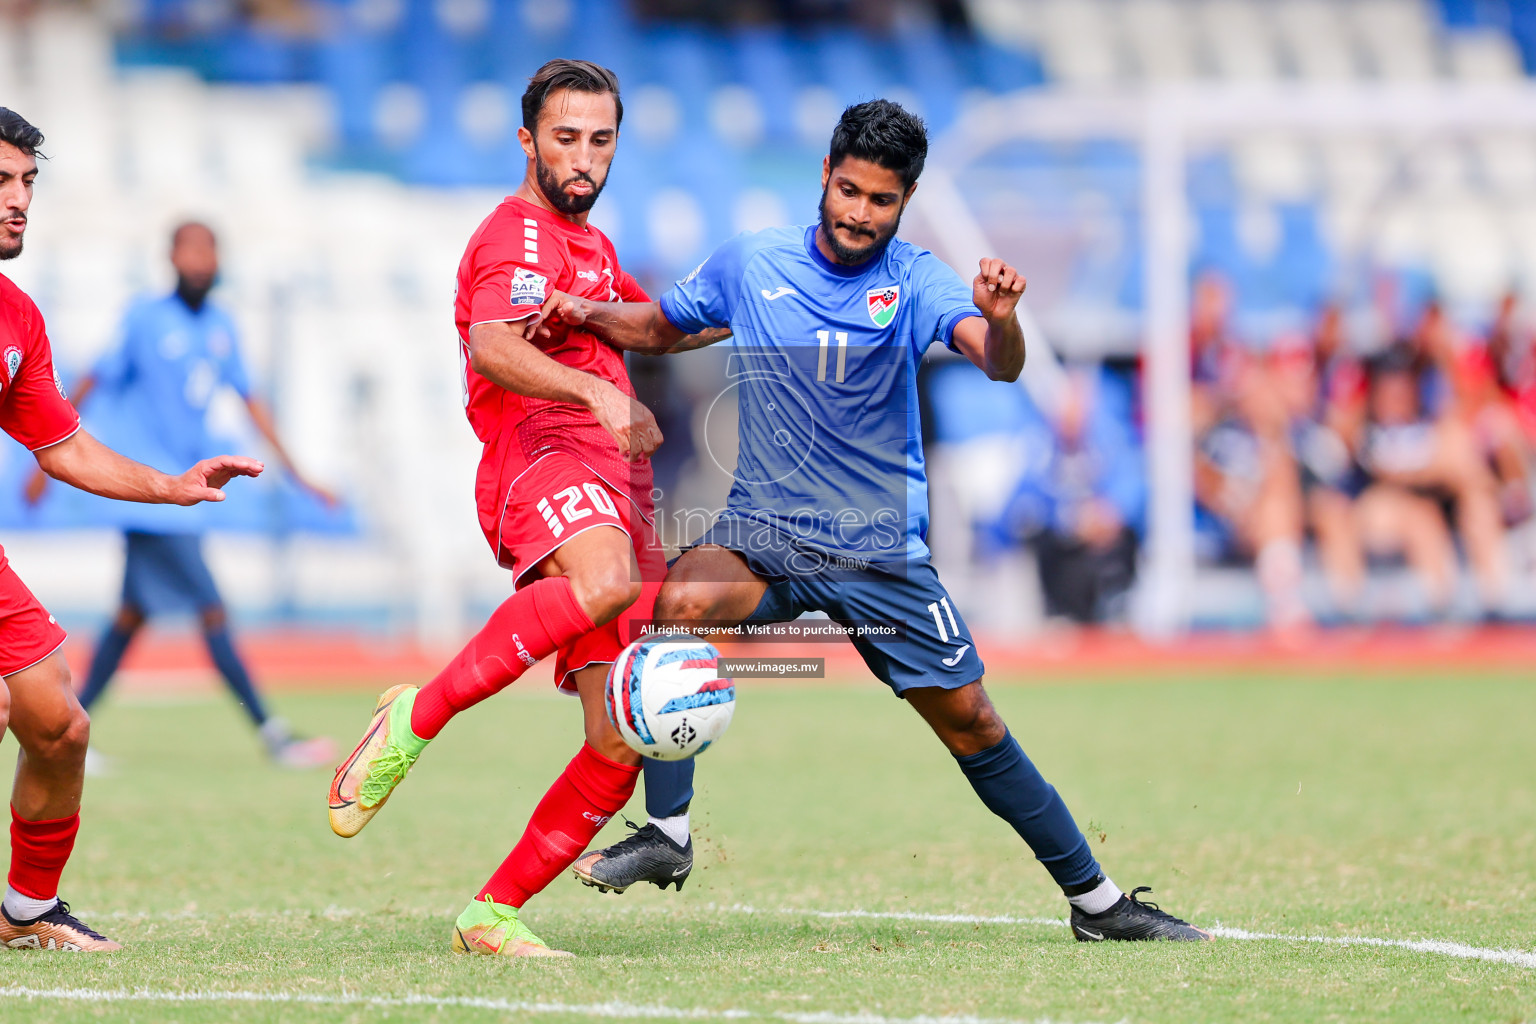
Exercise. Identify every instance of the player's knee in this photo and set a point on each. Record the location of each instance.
(129, 618)
(63, 740)
(684, 602)
(604, 595)
(964, 719)
(985, 727)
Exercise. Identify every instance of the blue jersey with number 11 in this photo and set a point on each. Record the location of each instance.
(824, 363)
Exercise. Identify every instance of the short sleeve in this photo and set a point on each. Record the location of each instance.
(33, 408)
(508, 279)
(941, 300)
(707, 297)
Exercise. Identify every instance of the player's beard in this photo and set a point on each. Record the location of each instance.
(194, 290)
(554, 189)
(10, 247)
(846, 254)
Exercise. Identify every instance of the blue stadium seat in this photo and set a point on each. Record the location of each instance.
(354, 67)
(847, 64)
(928, 64)
(1003, 70)
(765, 63)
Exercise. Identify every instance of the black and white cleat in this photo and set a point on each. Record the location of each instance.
(1131, 920)
(646, 855)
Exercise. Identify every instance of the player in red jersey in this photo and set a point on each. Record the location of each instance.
(564, 496)
(37, 702)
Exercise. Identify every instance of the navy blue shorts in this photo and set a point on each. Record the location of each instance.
(166, 573)
(932, 646)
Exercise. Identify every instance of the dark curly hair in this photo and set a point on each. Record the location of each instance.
(883, 133)
(19, 132)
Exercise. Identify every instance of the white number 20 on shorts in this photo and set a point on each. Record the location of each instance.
(569, 504)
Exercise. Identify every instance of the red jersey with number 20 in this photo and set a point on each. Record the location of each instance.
(515, 258)
(33, 409)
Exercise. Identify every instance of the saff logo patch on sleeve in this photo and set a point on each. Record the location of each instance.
(528, 288)
(882, 305)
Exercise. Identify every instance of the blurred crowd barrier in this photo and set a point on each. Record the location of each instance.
(1356, 424)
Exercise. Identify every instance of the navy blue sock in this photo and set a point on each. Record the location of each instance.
(222, 650)
(668, 787)
(1013, 789)
(109, 654)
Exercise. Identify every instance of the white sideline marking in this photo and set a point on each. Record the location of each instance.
(1440, 946)
(609, 1009)
(1436, 947)
(1519, 958)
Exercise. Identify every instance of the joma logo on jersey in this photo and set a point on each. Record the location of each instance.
(882, 305)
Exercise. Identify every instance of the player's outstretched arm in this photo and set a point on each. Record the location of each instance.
(502, 354)
(84, 462)
(266, 425)
(37, 483)
(994, 341)
(632, 326)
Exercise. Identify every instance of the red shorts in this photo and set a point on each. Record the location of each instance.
(28, 634)
(558, 498)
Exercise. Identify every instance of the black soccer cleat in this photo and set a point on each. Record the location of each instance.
(1131, 920)
(648, 855)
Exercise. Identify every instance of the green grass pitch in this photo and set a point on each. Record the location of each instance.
(1400, 809)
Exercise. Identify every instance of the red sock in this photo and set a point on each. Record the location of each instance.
(39, 851)
(591, 790)
(530, 625)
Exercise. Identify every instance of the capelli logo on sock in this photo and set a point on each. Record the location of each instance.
(598, 819)
(522, 652)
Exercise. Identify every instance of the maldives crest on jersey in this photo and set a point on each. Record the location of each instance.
(882, 304)
(12, 362)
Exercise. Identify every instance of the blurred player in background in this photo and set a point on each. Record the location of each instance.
(176, 351)
(829, 510)
(37, 702)
(564, 492)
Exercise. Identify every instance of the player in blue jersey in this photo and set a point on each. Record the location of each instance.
(175, 353)
(828, 510)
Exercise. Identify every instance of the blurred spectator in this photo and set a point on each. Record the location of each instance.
(1422, 465)
(1487, 397)
(1511, 352)
(1325, 387)
(1246, 488)
(1084, 509)
(1216, 361)
(289, 15)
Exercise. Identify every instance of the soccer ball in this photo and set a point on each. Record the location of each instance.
(666, 697)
